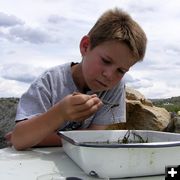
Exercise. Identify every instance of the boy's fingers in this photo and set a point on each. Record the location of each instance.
(79, 98)
(87, 113)
(88, 104)
(76, 93)
(93, 95)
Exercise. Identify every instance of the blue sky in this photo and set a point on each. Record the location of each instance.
(38, 34)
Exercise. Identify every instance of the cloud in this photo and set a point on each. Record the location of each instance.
(23, 33)
(67, 30)
(56, 19)
(9, 20)
(144, 8)
(173, 49)
(15, 30)
(160, 90)
(137, 83)
(61, 20)
(12, 88)
(20, 72)
(177, 64)
(45, 33)
(32, 35)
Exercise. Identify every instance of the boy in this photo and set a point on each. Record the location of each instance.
(85, 95)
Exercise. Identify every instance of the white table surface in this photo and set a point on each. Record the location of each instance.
(43, 164)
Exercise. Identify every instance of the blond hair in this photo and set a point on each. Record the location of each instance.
(118, 25)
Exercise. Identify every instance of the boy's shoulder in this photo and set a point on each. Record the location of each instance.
(54, 74)
(58, 68)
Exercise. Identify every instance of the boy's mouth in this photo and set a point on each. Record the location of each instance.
(101, 83)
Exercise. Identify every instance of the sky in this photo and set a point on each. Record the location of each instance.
(38, 34)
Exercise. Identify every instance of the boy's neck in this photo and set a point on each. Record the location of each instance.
(77, 75)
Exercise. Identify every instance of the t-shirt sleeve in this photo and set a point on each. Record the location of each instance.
(110, 114)
(36, 100)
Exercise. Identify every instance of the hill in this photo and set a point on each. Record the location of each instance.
(171, 104)
(7, 114)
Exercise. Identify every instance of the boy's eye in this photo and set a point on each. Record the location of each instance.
(121, 71)
(106, 61)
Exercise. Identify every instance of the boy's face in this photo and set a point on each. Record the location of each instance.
(105, 65)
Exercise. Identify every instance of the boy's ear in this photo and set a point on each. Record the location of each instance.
(84, 45)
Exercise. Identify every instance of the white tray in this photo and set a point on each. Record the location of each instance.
(116, 160)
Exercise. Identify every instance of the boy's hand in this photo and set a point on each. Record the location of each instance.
(8, 138)
(78, 107)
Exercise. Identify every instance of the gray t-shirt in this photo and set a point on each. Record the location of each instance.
(56, 83)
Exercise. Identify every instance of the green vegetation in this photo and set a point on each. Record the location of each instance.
(170, 104)
(7, 115)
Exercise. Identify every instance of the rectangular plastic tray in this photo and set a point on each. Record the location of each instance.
(102, 153)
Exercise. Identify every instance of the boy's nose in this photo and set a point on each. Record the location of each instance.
(108, 74)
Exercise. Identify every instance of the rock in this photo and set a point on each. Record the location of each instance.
(177, 124)
(178, 113)
(132, 94)
(174, 125)
(141, 114)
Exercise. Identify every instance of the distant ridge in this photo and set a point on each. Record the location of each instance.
(172, 99)
(7, 114)
(171, 104)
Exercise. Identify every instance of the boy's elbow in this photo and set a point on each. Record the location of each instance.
(17, 142)
(18, 147)
(11, 140)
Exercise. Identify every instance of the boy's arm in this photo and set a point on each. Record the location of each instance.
(52, 140)
(97, 127)
(29, 133)
(55, 140)
(39, 129)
